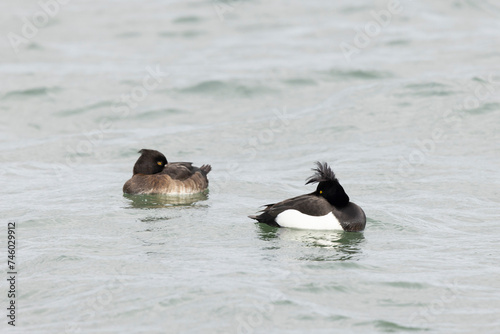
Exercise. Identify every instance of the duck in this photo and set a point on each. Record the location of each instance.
(153, 174)
(327, 208)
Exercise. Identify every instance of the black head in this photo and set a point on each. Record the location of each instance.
(328, 185)
(150, 162)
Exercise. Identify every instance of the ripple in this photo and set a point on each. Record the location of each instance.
(490, 7)
(34, 46)
(354, 9)
(175, 300)
(424, 85)
(128, 34)
(182, 34)
(309, 317)
(168, 34)
(150, 219)
(76, 111)
(357, 74)
(67, 258)
(319, 287)
(427, 89)
(188, 19)
(36, 91)
(300, 82)
(391, 327)
(191, 33)
(226, 89)
(151, 114)
(484, 109)
(405, 285)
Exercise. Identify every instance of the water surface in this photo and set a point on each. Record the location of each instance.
(260, 91)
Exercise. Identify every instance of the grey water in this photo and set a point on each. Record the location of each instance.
(400, 97)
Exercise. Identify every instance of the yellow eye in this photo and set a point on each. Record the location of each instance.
(159, 163)
(321, 191)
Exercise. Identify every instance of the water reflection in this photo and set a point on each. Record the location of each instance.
(160, 201)
(267, 232)
(345, 245)
(317, 245)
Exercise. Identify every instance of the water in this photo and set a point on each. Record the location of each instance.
(407, 116)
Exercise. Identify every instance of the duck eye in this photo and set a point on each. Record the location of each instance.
(321, 191)
(159, 163)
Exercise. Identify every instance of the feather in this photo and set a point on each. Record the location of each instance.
(323, 172)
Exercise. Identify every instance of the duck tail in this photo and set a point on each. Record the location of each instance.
(206, 169)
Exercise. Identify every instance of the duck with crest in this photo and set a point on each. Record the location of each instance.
(327, 208)
(153, 174)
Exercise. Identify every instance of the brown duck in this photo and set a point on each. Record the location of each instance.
(153, 174)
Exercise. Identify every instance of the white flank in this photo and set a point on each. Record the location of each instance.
(296, 219)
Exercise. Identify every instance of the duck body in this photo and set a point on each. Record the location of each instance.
(153, 174)
(328, 208)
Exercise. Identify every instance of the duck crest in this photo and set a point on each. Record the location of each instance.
(328, 185)
(323, 172)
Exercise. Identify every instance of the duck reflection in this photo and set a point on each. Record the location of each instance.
(319, 245)
(160, 201)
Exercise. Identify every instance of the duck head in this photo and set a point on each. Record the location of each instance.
(328, 185)
(150, 162)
